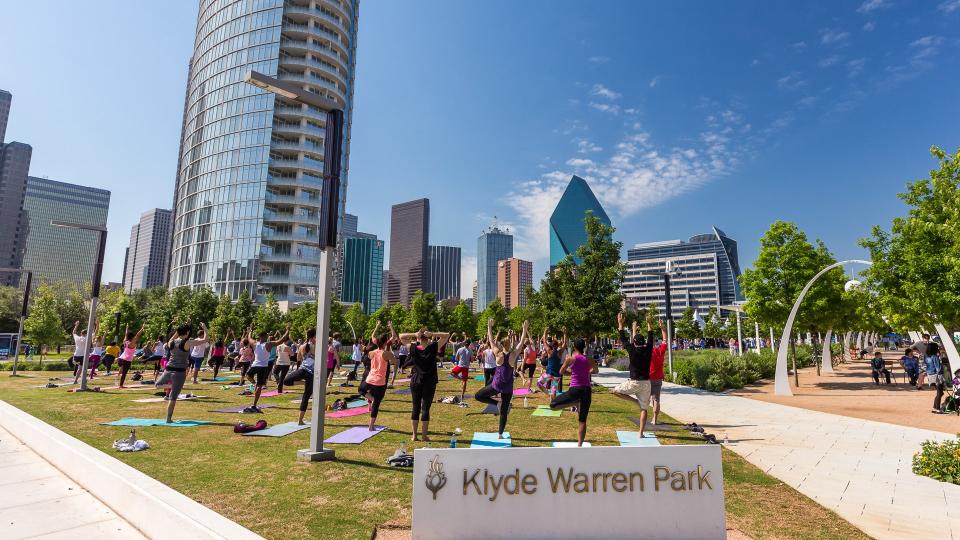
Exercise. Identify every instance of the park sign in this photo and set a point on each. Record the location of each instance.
(599, 492)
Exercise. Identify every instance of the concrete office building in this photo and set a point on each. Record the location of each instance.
(57, 253)
(363, 273)
(493, 246)
(14, 169)
(146, 260)
(513, 277)
(708, 267)
(443, 277)
(567, 230)
(250, 175)
(409, 237)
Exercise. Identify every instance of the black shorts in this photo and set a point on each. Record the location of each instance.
(530, 369)
(262, 373)
(216, 360)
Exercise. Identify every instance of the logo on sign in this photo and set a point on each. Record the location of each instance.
(435, 478)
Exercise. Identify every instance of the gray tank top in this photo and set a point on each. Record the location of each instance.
(179, 358)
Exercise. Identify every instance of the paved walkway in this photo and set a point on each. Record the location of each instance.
(38, 501)
(858, 468)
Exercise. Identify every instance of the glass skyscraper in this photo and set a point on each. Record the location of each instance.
(57, 253)
(146, 261)
(363, 272)
(567, 231)
(443, 277)
(494, 245)
(250, 175)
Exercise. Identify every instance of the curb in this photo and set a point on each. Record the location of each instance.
(155, 509)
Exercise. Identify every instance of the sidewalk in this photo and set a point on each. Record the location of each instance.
(39, 501)
(860, 469)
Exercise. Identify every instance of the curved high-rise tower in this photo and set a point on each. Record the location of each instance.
(250, 174)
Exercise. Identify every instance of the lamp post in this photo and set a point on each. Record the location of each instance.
(665, 274)
(23, 314)
(94, 292)
(329, 216)
(737, 307)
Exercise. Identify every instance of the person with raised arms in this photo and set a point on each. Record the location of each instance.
(579, 393)
(282, 366)
(376, 380)
(506, 353)
(461, 368)
(129, 350)
(640, 350)
(175, 372)
(422, 360)
(305, 371)
(260, 368)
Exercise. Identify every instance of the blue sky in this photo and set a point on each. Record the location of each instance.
(680, 115)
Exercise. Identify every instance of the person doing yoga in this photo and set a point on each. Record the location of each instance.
(579, 393)
(506, 353)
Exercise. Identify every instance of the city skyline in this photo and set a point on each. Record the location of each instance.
(803, 84)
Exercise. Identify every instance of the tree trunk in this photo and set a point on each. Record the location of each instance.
(796, 376)
(813, 351)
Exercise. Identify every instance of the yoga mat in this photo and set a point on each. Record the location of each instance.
(354, 435)
(241, 408)
(346, 412)
(403, 391)
(272, 393)
(278, 430)
(569, 444)
(160, 399)
(543, 410)
(143, 422)
(477, 378)
(631, 438)
(398, 381)
(492, 409)
(653, 427)
(521, 392)
(129, 387)
(357, 403)
(491, 440)
(215, 379)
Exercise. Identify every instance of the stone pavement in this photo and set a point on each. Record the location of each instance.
(860, 469)
(39, 501)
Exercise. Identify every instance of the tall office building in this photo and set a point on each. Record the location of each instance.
(513, 277)
(409, 234)
(57, 253)
(567, 230)
(494, 245)
(250, 175)
(707, 269)
(14, 168)
(444, 273)
(146, 260)
(363, 272)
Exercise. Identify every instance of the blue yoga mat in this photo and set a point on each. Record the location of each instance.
(491, 440)
(278, 430)
(403, 391)
(631, 438)
(357, 403)
(143, 422)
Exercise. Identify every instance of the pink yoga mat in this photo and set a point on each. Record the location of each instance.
(521, 391)
(398, 381)
(347, 412)
(274, 393)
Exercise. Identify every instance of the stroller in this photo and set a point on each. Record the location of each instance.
(951, 402)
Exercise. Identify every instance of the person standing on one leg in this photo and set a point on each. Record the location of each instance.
(530, 355)
(110, 354)
(197, 354)
(282, 366)
(217, 355)
(129, 349)
(305, 371)
(657, 358)
(79, 350)
(376, 380)
(489, 362)
(462, 360)
(507, 352)
(580, 391)
(175, 372)
(260, 369)
(422, 360)
(640, 350)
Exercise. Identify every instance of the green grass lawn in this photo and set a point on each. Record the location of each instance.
(257, 482)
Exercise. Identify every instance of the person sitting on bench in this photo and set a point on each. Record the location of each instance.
(879, 368)
(911, 365)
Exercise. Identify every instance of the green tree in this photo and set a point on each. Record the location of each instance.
(357, 319)
(71, 304)
(303, 318)
(338, 320)
(381, 315)
(224, 320)
(397, 314)
(686, 327)
(422, 313)
(44, 327)
(268, 317)
(116, 302)
(517, 315)
(498, 313)
(462, 320)
(203, 306)
(11, 301)
(244, 309)
(713, 324)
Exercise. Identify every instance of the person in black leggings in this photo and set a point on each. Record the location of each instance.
(580, 394)
(423, 374)
(506, 353)
(304, 372)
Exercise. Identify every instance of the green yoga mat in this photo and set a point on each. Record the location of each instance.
(543, 410)
(143, 422)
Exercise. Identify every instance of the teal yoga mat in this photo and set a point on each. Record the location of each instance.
(631, 438)
(278, 430)
(491, 440)
(143, 422)
(357, 403)
(543, 410)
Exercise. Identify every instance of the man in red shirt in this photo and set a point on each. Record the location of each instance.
(656, 372)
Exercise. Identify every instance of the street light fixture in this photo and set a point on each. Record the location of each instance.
(95, 291)
(329, 215)
(23, 313)
(667, 272)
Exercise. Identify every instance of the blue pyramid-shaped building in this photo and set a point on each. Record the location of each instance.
(567, 230)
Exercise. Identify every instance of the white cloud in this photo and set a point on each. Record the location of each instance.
(631, 110)
(586, 146)
(580, 163)
(468, 274)
(605, 107)
(807, 102)
(829, 61)
(655, 81)
(599, 59)
(922, 51)
(872, 5)
(800, 45)
(791, 81)
(754, 62)
(949, 6)
(602, 91)
(869, 26)
(855, 67)
(831, 35)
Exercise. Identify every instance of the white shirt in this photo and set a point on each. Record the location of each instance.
(261, 356)
(357, 353)
(80, 345)
(489, 359)
(283, 355)
(199, 351)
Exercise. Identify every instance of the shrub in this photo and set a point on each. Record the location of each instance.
(617, 354)
(621, 364)
(939, 460)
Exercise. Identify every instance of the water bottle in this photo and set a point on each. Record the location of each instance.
(726, 438)
(524, 402)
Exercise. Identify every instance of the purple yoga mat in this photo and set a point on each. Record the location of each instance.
(354, 435)
(241, 408)
(347, 412)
